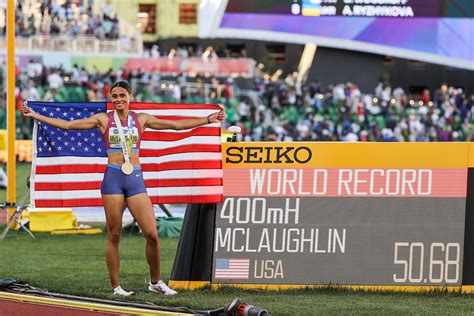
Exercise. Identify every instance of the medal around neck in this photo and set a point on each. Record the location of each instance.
(127, 168)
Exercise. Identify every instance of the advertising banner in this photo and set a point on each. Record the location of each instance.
(220, 67)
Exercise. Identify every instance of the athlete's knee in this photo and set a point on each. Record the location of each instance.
(114, 237)
(151, 235)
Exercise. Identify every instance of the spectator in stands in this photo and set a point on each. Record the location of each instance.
(209, 54)
(177, 92)
(107, 10)
(55, 80)
(155, 52)
(283, 108)
(64, 18)
(32, 93)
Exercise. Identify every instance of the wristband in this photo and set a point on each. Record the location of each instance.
(208, 120)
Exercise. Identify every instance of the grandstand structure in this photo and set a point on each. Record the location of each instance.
(280, 70)
(72, 27)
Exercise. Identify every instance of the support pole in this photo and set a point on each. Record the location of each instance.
(11, 128)
(192, 268)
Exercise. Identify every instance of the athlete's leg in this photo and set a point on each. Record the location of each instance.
(142, 210)
(114, 206)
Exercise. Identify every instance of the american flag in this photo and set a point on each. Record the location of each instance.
(178, 166)
(232, 269)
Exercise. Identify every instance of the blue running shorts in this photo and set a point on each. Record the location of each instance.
(116, 182)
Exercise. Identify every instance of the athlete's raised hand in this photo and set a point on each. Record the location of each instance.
(216, 117)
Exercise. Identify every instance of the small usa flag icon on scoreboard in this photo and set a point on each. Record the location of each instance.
(232, 268)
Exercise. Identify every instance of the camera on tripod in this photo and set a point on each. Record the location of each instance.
(235, 130)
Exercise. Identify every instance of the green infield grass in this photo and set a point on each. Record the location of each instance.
(74, 264)
(22, 174)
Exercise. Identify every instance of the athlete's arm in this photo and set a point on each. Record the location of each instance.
(155, 123)
(83, 124)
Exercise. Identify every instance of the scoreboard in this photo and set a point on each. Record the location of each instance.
(425, 30)
(357, 8)
(353, 214)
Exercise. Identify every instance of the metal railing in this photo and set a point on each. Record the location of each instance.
(79, 44)
(166, 87)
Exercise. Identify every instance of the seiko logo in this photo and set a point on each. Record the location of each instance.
(268, 154)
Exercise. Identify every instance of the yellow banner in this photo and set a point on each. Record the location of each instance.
(471, 155)
(3, 139)
(347, 155)
(328, 154)
(23, 151)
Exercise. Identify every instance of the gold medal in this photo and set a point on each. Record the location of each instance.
(127, 168)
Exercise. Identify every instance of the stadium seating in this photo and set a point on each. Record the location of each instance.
(281, 109)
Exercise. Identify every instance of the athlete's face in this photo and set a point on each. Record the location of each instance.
(120, 98)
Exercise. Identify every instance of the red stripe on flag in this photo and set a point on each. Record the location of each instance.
(172, 165)
(185, 199)
(167, 106)
(157, 183)
(58, 186)
(152, 183)
(180, 149)
(69, 203)
(59, 169)
(173, 136)
(216, 198)
(183, 165)
(175, 117)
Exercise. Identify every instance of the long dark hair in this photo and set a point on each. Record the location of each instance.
(122, 84)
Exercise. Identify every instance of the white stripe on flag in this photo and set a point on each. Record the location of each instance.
(181, 157)
(166, 191)
(168, 174)
(73, 160)
(183, 112)
(70, 160)
(215, 125)
(184, 174)
(178, 191)
(65, 194)
(69, 177)
(192, 140)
